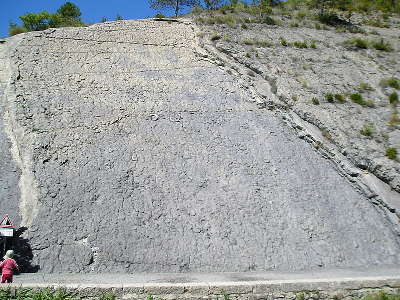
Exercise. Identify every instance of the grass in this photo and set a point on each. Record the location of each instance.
(394, 119)
(301, 45)
(330, 97)
(45, 294)
(231, 20)
(283, 42)
(358, 43)
(269, 21)
(376, 23)
(315, 101)
(394, 99)
(257, 43)
(382, 45)
(391, 153)
(381, 296)
(392, 82)
(367, 130)
(215, 37)
(358, 98)
(340, 98)
(365, 87)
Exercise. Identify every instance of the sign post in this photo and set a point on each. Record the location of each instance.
(6, 230)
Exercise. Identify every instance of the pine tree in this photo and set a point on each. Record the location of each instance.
(176, 5)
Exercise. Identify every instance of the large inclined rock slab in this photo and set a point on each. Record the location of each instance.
(139, 155)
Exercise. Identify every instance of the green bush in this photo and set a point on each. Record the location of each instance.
(159, 16)
(35, 22)
(357, 43)
(315, 101)
(391, 153)
(367, 130)
(269, 21)
(301, 45)
(392, 82)
(358, 98)
(376, 23)
(365, 87)
(381, 45)
(329, 18)
(339, 98)
(283, 42)
(394, 99)
(215, 37)
(330, 97)
(14, 29)
(394, 119)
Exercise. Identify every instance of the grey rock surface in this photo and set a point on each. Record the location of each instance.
(138, 153)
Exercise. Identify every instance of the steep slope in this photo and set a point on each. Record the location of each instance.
(314, 71)
(139, 153)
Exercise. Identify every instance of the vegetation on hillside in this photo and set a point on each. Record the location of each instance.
(67, 15)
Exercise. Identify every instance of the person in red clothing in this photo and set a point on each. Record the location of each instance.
(7, 267)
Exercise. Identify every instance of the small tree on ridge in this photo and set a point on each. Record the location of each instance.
(176, 5)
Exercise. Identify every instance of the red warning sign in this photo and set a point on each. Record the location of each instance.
(6, 227)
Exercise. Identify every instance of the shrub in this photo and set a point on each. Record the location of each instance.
(394, 99)
(340, 98)
(367, 130)
(159, 16)
(265, 44)
(269, 21)
(391, 153)
(330, 98)
(284, 43)
(381, 45)
(313, 45)
(394, 119)
(35, 22)
(294, 24)
(244, 26)
(215, 37)
(358, 98)
(365, 87)
(14, 29)
(301, 45)
(330, 18)
(315, 101)
(376, 23)
(357, 43)
(392, 82)
(249, 42)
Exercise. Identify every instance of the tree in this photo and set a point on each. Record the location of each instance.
(69, 10)
(177, 5)
(70, 14)
(35, 22)
(213, 4)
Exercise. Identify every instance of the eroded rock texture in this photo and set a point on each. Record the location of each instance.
(137, 153)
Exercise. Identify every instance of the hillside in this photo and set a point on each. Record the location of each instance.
(144, 146)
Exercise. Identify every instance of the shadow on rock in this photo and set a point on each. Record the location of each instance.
(23, 252)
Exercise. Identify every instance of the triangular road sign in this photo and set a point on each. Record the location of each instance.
(6, 222)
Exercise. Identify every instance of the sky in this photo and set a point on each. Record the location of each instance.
(92, 10)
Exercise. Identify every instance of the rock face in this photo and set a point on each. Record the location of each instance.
(135, 152)
(303, 61)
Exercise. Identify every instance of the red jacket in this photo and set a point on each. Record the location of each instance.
(8, 265)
